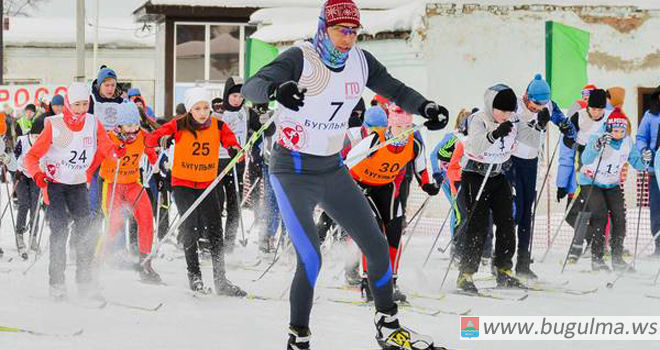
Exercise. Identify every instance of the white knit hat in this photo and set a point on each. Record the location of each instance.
(78, 92)
(195, 95)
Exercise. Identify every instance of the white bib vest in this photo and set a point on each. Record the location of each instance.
(588, 126)
(236, 121)
(106, 112)
(611, 164)
(498, 152)
(71, 152)
(530, 139)
(319, 127)
(26, 144)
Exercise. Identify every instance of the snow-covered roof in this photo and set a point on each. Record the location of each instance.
(121, 32)
(282, 23)
(293, 23)
(378, 4)
(386, 4)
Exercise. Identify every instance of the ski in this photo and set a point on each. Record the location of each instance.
(428, 311)
(440, 296)
(136, 307)
(650, 296)
(32, 332)
(491, 296)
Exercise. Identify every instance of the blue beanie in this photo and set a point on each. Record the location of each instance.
(57, 100)
(538, 90)
(375, 117)
(134, 92)
(105, 73)
(128, 114)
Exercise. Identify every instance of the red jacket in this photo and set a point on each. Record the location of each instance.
(227, 139)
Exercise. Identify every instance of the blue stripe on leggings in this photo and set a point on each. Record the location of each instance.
(310, 259)
(297, 162)
(380, 283)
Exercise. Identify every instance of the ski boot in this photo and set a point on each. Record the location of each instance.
(465, 283)
(365, 290)
(397, 295)
(392, 336)
(352, 275)
(224, 287)
(196, 283)
(1, 252)
(522, 267)
(505, 279)
(620, 265)
(298, 338)
(146, 271)
(20, 246)
(598, 264)
(57, 292)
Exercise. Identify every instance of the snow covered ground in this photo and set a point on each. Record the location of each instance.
(211, 322)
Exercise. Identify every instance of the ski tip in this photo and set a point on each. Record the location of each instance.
(523, 297)
(78, 332)
(158, 306)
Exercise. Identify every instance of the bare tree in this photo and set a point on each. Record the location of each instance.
(15, 8)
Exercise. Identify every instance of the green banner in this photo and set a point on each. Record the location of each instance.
(566, 53)
(259, 54)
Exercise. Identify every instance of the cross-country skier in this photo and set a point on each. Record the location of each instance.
(317, 84)
(648, 141)
(198, 137)
(378, 173)
(587, 121)
(602, 160)
(67, 147)
(28, 192)
(489, 144)
(535, 110)
(128, 191)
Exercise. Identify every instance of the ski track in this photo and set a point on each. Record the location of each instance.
(212, 322)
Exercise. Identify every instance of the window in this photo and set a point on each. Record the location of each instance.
(207, 54)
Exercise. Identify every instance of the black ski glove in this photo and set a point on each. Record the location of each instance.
(603, 141)
(565, 128)
(431, 189)
(289, 94)
(502, 130)
(561, 193)
(543, 117)
(438, 116)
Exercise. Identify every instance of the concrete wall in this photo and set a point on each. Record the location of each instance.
(58, 64)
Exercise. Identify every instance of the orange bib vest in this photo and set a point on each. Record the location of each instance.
(196, 158)
(129, 164)
(383, 166)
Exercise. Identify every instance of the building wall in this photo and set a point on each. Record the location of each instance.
(57, 65)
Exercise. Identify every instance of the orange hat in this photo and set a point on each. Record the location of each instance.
(617, 96)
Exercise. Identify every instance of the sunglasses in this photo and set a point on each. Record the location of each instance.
(347, 31)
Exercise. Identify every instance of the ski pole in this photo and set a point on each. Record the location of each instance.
(418, 215)
(620, 274)
(357, 158)
(37, 256)
(538, 197)
(249, 193)
(467, 223)
(586, 204)
(101, 241)
(175, 225)
(437, 236)
(35, 216)
(11, 209)
(243, 240)
(639, 213)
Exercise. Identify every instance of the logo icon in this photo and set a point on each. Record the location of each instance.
(469, 327)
